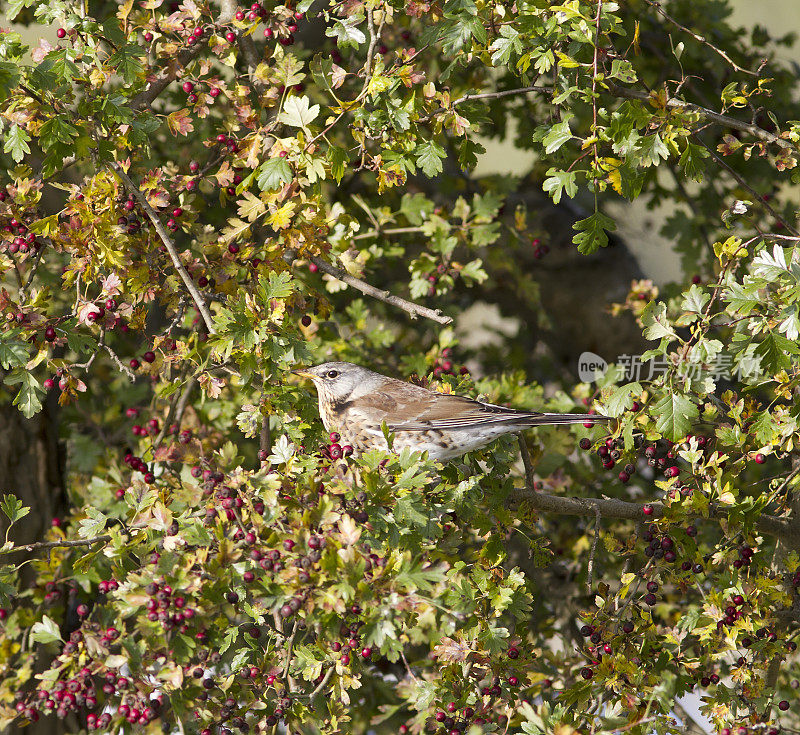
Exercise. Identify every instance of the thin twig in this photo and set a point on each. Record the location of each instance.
(388, 231)
(657, 7)
(172, 409)
(590, 565)
(325, 681)
(121, 365)
(486, 96)
(289, 647)
(527, 462)
(373, 40)
(745, 185)
(170, 246)
(413, 309)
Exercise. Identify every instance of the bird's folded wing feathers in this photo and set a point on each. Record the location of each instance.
(425, 410)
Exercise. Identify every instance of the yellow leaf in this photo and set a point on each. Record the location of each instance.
(251, 207)
(281, 218)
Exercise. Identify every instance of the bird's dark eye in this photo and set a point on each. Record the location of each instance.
(332, 374)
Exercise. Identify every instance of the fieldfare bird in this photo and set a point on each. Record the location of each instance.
(355, 402)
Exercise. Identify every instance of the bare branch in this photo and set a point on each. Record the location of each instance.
(408, 306)
(657, 7)
(39, 545)
(373, 40)
(486, 96)
(170, 246)
(626, 510)
(388, 231)
(745, 185)
(325, 681)
(590, 565)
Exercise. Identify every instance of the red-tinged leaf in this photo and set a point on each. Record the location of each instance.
(180, 122)
(450, 651)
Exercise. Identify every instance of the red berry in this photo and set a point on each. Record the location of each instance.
(647, 509)
(760, 458)
(149, 356)
(188, 87)
(134, 363)
(61, 33)
(783, 705)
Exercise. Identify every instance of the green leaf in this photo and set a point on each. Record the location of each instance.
(13, 353)
(17, 143)
(674, 415)
(692, 161)
(338, 159)
(12, 506)
(9, 78)
(508, 42)
(273, 173)
(655, 321)
(298, 112)
(346, 33)
(127, 61)
(28, 399)
(230, 638)
(93, 525)
(652, 150)
(621, 399)
(275, 286)
(592, 232)
(45, 631)
(429, 158)
(559, 182)
(557, 136)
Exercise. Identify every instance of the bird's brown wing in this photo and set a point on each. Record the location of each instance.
(412, 408)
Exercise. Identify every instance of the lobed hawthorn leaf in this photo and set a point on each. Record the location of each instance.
(274, 173)
(592, 233)
(507, 43)
(13, 508)
(346, 32)
(674, 415)
(560, 182)
(429, 158)
(298, 112)
(127, 60)
(16, 143)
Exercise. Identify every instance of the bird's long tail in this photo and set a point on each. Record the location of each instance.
(552, 419)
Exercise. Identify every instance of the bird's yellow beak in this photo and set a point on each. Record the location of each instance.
(304, 373)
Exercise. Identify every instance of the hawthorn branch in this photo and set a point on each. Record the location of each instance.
(170, 246)
(625, 510)
(486, 96)
(325, 681)
(745, 185)
(410, 307)
(39, 545)
(700, 39)
(373, 40)
(724, 120)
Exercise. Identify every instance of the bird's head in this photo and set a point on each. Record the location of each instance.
(339, 381)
